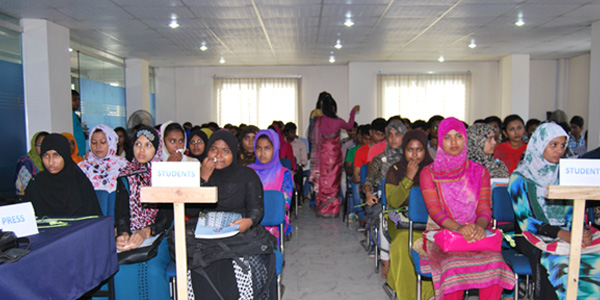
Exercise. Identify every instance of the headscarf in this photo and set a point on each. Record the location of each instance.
(75, 157)
(103, 172)
(139, 175)
(196, 131)
(398, 170)
(207, 131)
(540, 171)
(392, 155)
(246, 158)
(165, 154)
(285, 150)
(446, 166)
(268, 172)
(66, 193)
(478, 134)
(35, 158)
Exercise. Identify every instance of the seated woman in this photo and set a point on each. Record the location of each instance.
(30, 164)
(124, 144)
(61, 189)
(548, 219)
(136, 222)
(481, 143)
(401, 177)
(174, 142)
(73, 146)
(246, 152)
(511, 150)
(377, 172)
(102, 166)
(197, 140)
(272, 174)
(457, 195)
(234, 275)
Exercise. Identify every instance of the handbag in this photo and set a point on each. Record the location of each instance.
(9, 247)
(142, 253)
(451, 241)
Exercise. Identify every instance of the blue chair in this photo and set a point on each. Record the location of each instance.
(172, 274)
(417, 213)
(502, 211)
(364, 171)
(274, 215)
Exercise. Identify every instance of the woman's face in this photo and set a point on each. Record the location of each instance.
(515, 130)
(143, 150)
(99, 144)
(248, 142)
(196, 145)
(38, 144)
(220, 151)
(121, 138)
(415, 151)
(174, 141)
(453, 142)
(264, 150)
(490, 143)
(71, 145)
(394, 138)
(555, 149)
(53, 162)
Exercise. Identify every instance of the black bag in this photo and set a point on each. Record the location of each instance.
(140, 254)
(9, 247)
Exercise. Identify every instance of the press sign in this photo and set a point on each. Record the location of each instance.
(18, 218)
(579, 172)
(176, 174)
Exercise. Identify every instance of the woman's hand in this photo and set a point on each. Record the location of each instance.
(472, 232)
(245, 224)
(138, 237)
(411, 169)
(177, 156)
(587, 238)
(207, 168)
(370, 199)
(356, 108)
(123, 242)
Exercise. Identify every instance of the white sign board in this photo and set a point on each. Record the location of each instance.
(579, 172)
(176, 174)
(18, 218)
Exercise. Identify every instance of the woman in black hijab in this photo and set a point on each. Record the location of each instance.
(239, 190)
(197, 141)
(62, 189)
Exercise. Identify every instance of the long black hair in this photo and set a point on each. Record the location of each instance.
(328, 106)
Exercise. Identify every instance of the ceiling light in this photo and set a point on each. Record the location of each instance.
(520, 21)
(174, 24)
(338, 44)
(348, 22)
(70, 49)
(203, 47)
(441, 59)
(114, 84)
(472, 44)
(331, 59)
(222, 60)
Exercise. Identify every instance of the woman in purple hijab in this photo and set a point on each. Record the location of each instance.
(271, 172)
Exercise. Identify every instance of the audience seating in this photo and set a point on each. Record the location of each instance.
(275, 216)
(417, 213)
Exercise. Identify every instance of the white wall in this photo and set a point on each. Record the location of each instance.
(543, 88)
(578, 92)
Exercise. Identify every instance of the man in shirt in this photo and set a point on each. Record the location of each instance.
(432, 130)
(576, 139)
(377, 134)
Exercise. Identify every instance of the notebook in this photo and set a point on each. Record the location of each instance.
(216, 225)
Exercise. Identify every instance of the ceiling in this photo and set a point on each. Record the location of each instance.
(304, 32)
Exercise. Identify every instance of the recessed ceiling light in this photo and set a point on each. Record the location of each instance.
(114, 84)
(203, 47)
(338, 44)
(331, 59)
(222, 60)
(472, 44)
(441, 59)
(348, 22)
(70, 49)
(174, 24)
(520, 21)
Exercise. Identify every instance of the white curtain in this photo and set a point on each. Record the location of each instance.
(256, 101)
(420, 96)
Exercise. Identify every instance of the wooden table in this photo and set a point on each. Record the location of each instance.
(579, 194)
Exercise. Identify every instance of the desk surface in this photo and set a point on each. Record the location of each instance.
(64, 262)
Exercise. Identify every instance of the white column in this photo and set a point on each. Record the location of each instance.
(593, 122)
(515, 85)
(137, 85)
(46, 72)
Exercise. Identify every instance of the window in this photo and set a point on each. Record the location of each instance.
(256, 101)
(420, 96)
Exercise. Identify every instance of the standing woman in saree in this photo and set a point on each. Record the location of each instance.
(326, 170)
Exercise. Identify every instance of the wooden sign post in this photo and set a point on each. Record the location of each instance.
(179, 196)
(579, 194)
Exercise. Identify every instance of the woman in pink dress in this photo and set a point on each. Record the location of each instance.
(326, 174)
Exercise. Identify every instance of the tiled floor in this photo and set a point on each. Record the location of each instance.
(324, 260)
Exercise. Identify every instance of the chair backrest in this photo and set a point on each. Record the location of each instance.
(364, 171)
(383, 198)
(274, 208)
(502, 209)
(417, 211)
(286, 162)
